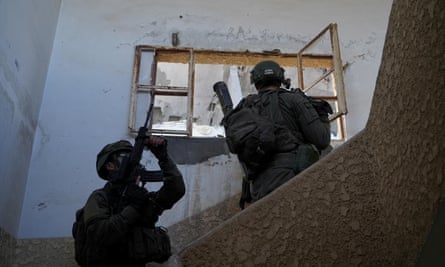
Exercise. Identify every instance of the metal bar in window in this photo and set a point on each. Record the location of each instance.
(318, 80)
(243, 58)
(335, 116)
(136, 66)
(300, 71)
(172, 132)
(342, 127)
(191, 85)
(164, 90)
(315, 38)
(338, 69)
(322, 77)
(163, 87)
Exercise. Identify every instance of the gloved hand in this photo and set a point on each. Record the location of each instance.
(136, 196)
(158, 147)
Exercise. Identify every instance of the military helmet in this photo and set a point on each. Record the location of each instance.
(266, 71)
(104, 154)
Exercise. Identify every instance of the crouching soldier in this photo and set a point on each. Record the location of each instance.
(119, 219)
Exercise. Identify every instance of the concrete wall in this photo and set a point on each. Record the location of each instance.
(373, 200)
(60, 104)
(27, 30)
(86, 99)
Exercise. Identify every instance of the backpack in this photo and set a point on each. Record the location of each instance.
(79, 233)
(254, 130)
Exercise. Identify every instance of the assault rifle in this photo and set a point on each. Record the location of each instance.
(225, 100)
(130, 167)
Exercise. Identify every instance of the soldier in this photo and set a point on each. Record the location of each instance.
(292, 152)
(120, 218)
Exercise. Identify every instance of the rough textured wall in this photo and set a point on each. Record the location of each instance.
(45, 252)
(372, 201)
(326, 215)
(7, 248)
(57, 252)
(39, 252)
(406, 126)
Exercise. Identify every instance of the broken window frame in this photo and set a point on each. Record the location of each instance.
(190, 56)
(154, 90)
(336, 68)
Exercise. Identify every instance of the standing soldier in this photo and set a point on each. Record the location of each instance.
(302, 130)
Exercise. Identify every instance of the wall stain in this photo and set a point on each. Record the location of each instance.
(6, 108)
(17, 65)
(44, 138)
(41, 206)
(233, 33)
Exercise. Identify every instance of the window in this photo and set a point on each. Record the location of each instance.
(179, 83)
(325, 76)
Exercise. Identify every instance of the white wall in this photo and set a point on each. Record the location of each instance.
(86, 99)
(27, 30)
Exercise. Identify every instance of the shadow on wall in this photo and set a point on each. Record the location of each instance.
(191, 151)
